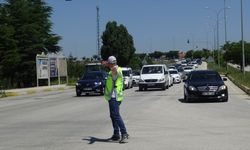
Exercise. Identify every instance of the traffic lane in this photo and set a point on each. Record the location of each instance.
(155, 120)
(168, 122)
(51, 121)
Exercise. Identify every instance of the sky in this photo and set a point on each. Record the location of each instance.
(160, 25)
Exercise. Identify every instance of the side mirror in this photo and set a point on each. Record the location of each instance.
(224, 79)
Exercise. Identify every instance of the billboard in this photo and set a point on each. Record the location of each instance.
(42, 68)
(53, 67)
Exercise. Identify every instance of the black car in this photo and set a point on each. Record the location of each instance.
(205, 85)
(91, 82)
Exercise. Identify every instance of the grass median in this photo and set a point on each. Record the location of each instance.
(234, 74)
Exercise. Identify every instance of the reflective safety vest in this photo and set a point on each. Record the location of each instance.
(116, 85)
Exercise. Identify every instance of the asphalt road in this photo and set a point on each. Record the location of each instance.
(155, 119)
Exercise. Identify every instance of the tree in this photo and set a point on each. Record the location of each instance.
(233, 52)
(189, 54)
(136, 62)
(25, 32)
(156, 54)
(172, 54)
(117, 42)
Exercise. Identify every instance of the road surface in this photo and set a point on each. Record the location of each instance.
(155, 119)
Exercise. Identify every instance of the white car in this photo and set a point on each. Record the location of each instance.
(195, 64)
(136, 77)
(176, 75)
(154, 76)
(127, 77)
(187, 70)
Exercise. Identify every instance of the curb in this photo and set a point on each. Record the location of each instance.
(34, 90)
(242, 87)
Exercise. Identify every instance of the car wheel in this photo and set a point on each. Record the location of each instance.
(163, 87)
(140, 88)
(224, 100)
(186, 99)
(78, 93)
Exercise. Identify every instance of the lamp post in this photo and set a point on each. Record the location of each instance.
(225, 20)
(242, 40)
(218, 40)
(217, 28)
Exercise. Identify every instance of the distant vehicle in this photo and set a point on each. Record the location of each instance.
(94, 67)
(127, 77)
(199, 61)
(195, 64)
(175, 74)
(136, 77)
(205, 84)
(171, 78)
(171, 67)
(186, 71)
(154, 76)
(91, 82)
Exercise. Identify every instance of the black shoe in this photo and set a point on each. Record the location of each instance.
(124, 138)
(115, 138)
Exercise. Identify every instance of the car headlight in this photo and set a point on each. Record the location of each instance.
(78, 84)
(223, 87)
(162, 79)
(98, 83)
(191, 88)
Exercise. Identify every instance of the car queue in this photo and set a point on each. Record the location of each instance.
(149, 76)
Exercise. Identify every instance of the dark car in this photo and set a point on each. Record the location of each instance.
(205, 85)
(91, 82)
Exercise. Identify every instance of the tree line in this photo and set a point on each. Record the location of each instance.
(25, 31)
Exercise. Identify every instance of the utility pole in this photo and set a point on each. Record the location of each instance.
(98, 31)
(242, 40)
(225, 20)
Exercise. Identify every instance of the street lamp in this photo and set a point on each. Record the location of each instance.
(217, 27)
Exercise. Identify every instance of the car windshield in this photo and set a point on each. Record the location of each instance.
(136, 73)
(173, 72)
(125, 73)
(189, 68)
(152, 70)
(201, 77)
(92, 76)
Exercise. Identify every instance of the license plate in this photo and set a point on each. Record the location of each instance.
(87, 89)
(151, 84)
(208, 93)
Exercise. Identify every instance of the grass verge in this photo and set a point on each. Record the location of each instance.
(241, 80)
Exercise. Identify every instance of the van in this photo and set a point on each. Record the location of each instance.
(154, 76)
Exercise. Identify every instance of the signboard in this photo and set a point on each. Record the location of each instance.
(53, 67)
(62, 67)
(42, 68)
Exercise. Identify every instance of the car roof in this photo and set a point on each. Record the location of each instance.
(154, 65)
(126, 68)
